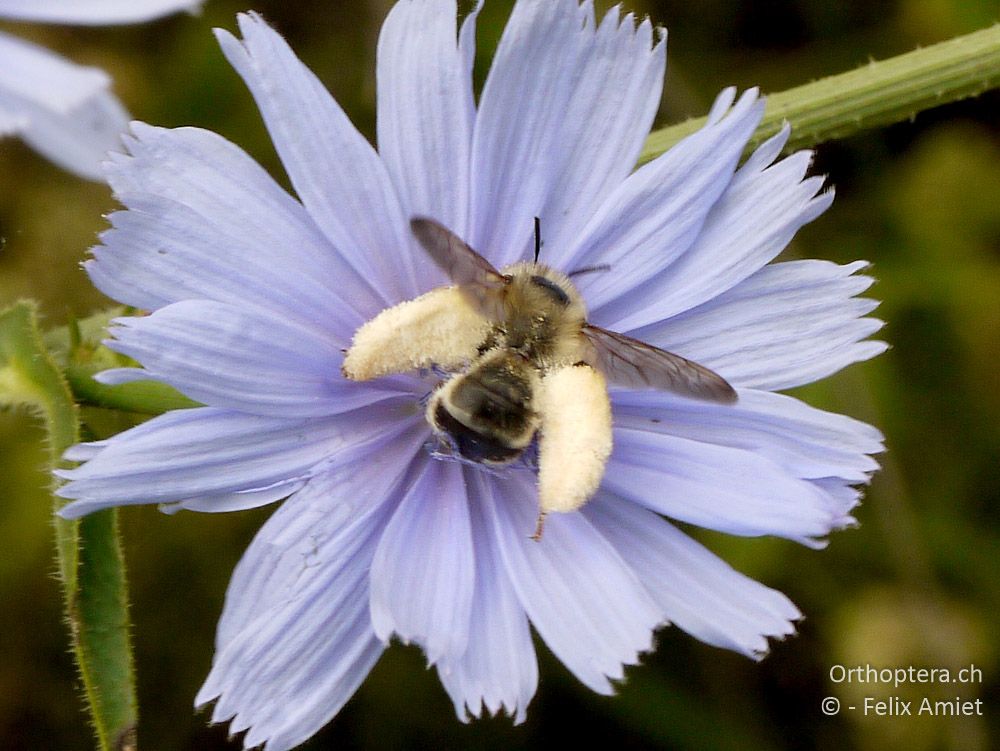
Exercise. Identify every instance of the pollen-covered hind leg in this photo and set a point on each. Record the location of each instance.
(438, 328)
(575, 439)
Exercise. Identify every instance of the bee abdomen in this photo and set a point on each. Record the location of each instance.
(474, 446)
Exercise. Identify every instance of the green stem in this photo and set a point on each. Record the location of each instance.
(141, 397)
(880, 93)
(78, 351)
(91, 567)
(29, 378)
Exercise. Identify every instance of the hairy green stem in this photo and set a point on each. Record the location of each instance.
(91, 567)
(880, 93)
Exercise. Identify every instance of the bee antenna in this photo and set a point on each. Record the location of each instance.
(538, 237)
(590, 269)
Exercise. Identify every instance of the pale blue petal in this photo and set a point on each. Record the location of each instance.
(656, 214)
(804, 441)
(62, 110)
(728, 489)
(191, 453)
(426, 112)
(237, 358)
(499, 670)
(751, 223)
(295, 639)
(424, 567)
(239, 501)
(698, 591)
(206, 221)
(563, 115)
(79, 140)
(336, 172)
(582, 598)
(33, 73)
(789, 324)
(11, 121)
(94, 12)
(82, 452)
(271, 569)
(842, 493)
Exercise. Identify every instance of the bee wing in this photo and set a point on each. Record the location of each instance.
(481, 283)
(634, 364)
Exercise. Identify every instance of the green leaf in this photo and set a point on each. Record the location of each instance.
(880, 93)
(91, 567)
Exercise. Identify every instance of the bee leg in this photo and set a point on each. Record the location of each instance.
(575, 439)
(438, 328)
(539, 525)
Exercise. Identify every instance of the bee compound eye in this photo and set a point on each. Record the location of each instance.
(551, 288)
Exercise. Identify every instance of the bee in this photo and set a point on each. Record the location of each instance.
(522, 361)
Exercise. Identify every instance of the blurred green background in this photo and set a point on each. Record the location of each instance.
(916, 584)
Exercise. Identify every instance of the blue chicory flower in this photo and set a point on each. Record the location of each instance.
(66, 111)
(255, 294)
